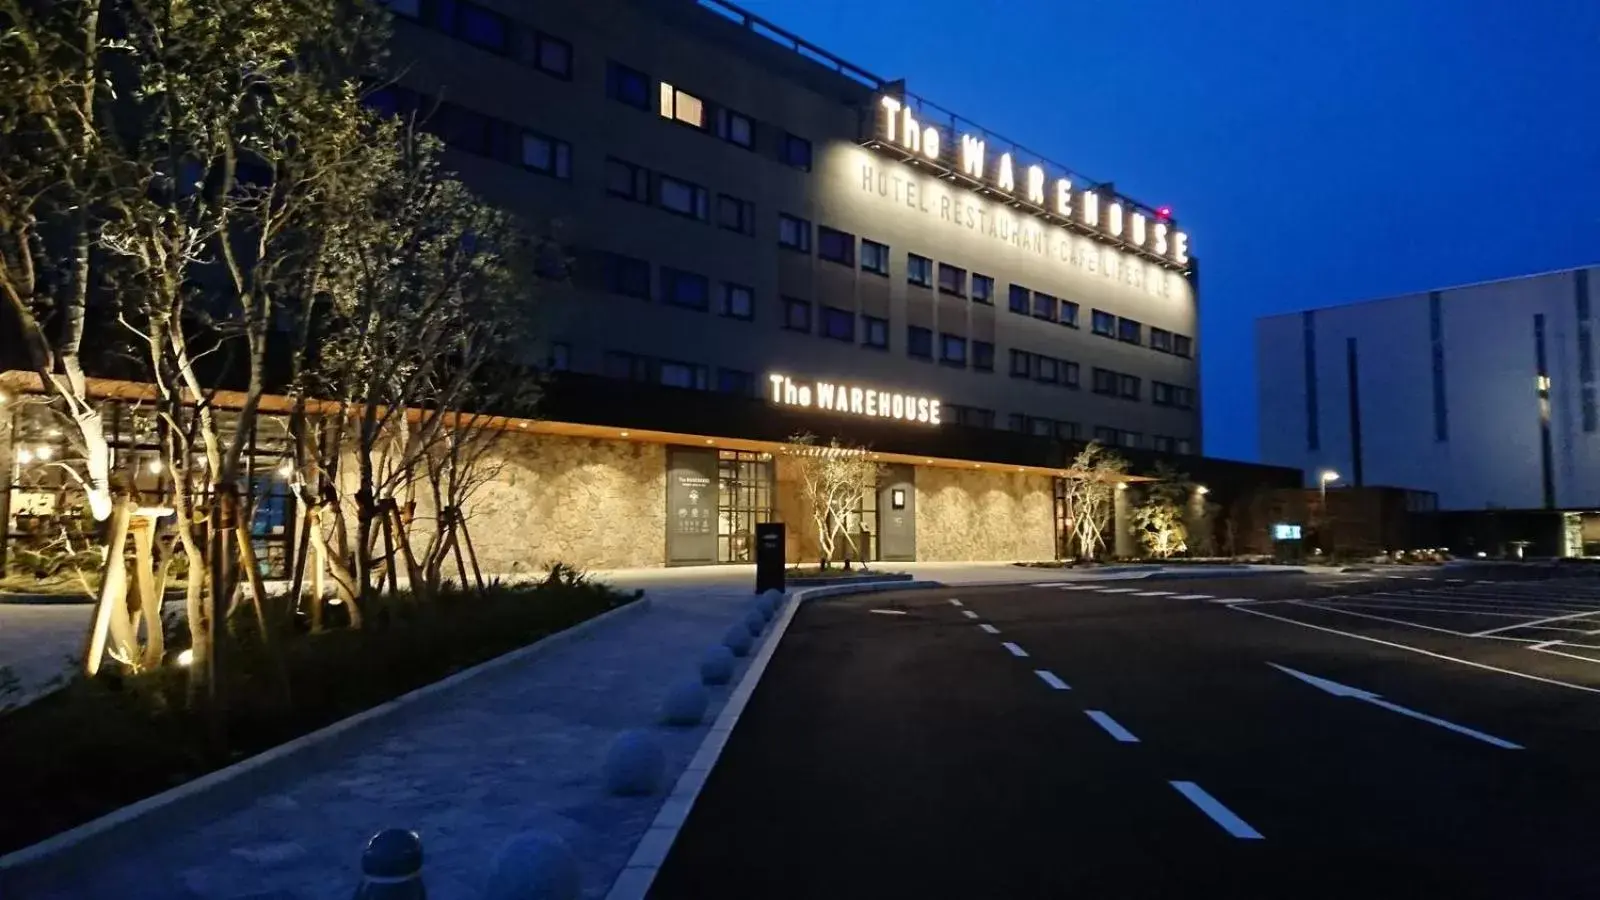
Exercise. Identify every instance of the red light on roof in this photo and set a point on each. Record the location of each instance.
(1164, 212)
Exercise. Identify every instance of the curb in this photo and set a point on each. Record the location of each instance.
(66, 840)
(639, 872)
(8, 599)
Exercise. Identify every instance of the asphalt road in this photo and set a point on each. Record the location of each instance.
(1252, 739)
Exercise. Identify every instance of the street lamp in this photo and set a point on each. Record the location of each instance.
(1326, 476)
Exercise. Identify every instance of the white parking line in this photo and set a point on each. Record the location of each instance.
(1049, 677)
(1192, 597)
(1535, 623)
(1239, 600)
(1117, 590)
(1153, 594)
(1015, 650)
(1440, 608)
(954, 602)
(1490, 603)
(969, 614)
(989, 628)
(1112, 726)
(1328, 607)
(1220, 814)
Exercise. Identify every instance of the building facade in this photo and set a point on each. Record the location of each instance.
(1484, 395)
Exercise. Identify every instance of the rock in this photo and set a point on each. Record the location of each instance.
(634, 764)
(535, 865)
(716, 665)
(685, 705)
(737, 639)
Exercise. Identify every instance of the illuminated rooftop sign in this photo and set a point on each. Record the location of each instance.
(1051, 195)
(852, 399)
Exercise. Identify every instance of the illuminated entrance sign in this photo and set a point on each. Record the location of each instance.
(857, 401)
(1030, 185)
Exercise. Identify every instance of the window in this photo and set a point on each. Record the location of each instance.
(1132, 439)
(1182, 346)
(1066, 431)
(1173, 395)
(546, 155)
(560, 357)
(970, 416)
(952, 280)
(682, 106)
(736, 128)
(983, 356)
(1041, 427)
(874, 257)
(797, 314)
(627, 276)
(550, 55)
(794, 233)
(1163, 444)
(628, 181)
(836, 246)
(839, 324)
(1069, 314)
(919, 270)
(1129, 387)
(1104, 323)
(734, 214)
(682, 375)
(473, 24)
(953, 350)
(1020, 298)
(683, 198)
(1069, 374)
(685, 289)
(982, 288)
(875, 332)
(1017, 422)
(1130, 331)
(796, 151)
(627, 85)
(1184, 446)
(1044, 306)
(1021, 364)
(411, 9)
(737, 302)
(630, 366)
(1106, 435)
(1105, 382)
(461, 128)
(1161, 339)
(1046, 369)
(736, 381)
(919, 342)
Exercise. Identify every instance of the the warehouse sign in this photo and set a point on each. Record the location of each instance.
(1032, 186)
(853, 399)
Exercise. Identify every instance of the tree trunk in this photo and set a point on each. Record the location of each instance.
(150, 595)
(112, 600)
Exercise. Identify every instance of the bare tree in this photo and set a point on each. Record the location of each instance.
(1158, 520)
(835, 479)
(1090, 493)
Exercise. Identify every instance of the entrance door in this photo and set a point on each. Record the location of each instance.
(897, 514)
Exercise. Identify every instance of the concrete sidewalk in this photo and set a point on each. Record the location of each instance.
(514, 749)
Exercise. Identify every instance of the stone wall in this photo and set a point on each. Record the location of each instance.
(984, 516)
(792, 509)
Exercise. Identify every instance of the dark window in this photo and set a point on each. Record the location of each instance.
(794, 233)
(685, 289)
(1104, 323)
(973, 416)
(736, 128)
(1020, 298)
(682, 375)
(736, 381)
(1017, 422)
(411, 9)
(919, 270)
(919, 342)
(1130, 331)
(627, 276)
(1104, 382)
(560, 357)
(546, 155)
(874, 257)
(627, 85)
(1069, 313)
(797, 314)
(982, 288)
(952, 280)
(1044, 306)
(1066, 431)
(550, 55)
(473, 24)
(630, 366)
(737, 302)
(983, 356)
(461, 128)
(1046, 369)
(1041, 427)
(1182, 346)
(1128, 387)
(1160, 393)
(393, 100)
(1163, 444)
(953, 350)
(1106, 435)
(683, 198)
(1069, 373)
(1132, 439)
(839, 324)
(1184, 446)
(836, 246)
(682, 106)
(796, 151)
(875, 332)
(628, 181)
(1161, 339)
(1021, 364)
(735, 214)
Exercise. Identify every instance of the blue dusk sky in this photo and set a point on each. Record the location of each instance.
(1318, 153)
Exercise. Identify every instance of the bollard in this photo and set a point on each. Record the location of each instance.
(755, 622)
(685, 705)
(634, 765)
(737, 639)
(716, 666)
(391, 867)
(534, 865)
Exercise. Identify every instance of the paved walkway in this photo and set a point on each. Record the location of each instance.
(517, 748)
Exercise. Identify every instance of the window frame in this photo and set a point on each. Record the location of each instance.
(747, 380)
(619, 77)
(871, 249)
(1021, 363)
(1069, 312)
(1182, 345)
(832, 315)
(1100, 317)
(874, 324)
(746, 214)
(534, 44)
(699, 198)
(959, 287)
(560, 156)
(615, 266)
(986, 296)
(725, 306)
(1022, 294)
(638, 177)
(848, 246)
(671, 278)
(1045, 306)
(672, 101)
(948, 340)
(793, 304)
(982, 356)
(699, 376)
(804, 230)
(1109, 378)
(1130, 387)
(795, 151)
(914, 262)
(725, 119)
(1126, 335)
(919, 342)
(1160, 340)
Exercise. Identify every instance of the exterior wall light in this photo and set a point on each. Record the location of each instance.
(1202, 490)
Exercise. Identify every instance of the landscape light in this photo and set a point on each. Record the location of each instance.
(1202, 490)
(45, 451)
(24, 456)
(186, 658)
(155, 467)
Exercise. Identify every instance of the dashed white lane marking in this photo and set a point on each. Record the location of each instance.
(954, 602)
(888, 612)
(1236, 600)
(1220, 814)
(989, 628)
(969, 614)
(1117, 590)
(1153, 594)
(1112, 726)
(1049, 677)
(1015, 650)
(1192, 597)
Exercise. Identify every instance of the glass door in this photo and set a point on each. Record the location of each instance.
(744, 498)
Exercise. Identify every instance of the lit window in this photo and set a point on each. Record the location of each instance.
(875, 332)
(794, 233)
(874, 257)
(919, 270)
(738, 302)
(682, 105)
(797, 314)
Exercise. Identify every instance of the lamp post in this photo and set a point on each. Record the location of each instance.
(1326, 476)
